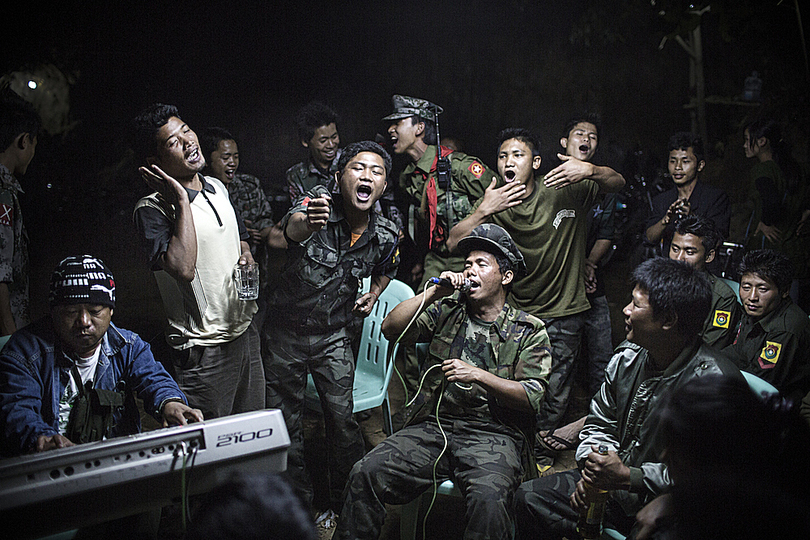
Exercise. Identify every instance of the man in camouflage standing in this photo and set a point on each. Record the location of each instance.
(19, 126)
(317, 127)
(334, 242)
(483, 383)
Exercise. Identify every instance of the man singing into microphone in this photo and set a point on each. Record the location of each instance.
(481, 385)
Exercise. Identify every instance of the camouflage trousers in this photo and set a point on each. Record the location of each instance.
(543, 509)
(598, 342)
(565, 335)
(482, 458)
(330, 359)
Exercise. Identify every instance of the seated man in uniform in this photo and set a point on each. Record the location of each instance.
(695, 241)
(481, 387)
(46, 366)
(773, 339)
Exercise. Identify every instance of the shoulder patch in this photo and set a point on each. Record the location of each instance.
(476, 169)
(721, 318)
(6, 214)
(769, 355)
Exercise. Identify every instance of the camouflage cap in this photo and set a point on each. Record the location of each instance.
(494, 239)
(405, 106)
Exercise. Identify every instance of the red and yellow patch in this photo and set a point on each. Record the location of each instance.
(769, 355)
(476, 169)
(721, 318)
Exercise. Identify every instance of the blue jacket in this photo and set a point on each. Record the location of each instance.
(34, 372)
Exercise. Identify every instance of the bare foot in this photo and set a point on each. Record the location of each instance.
(566, 437)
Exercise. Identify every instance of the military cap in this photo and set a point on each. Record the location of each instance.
(494, 239)
(405, 106)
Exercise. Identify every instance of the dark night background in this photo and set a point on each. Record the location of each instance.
(249, 66)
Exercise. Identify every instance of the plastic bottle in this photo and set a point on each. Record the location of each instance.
(589, 525)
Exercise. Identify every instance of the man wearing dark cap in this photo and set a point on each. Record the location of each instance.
(435, 208)
(482, 383)
(46, 366)
(412, 128)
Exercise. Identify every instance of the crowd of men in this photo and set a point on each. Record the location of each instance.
(518, 304)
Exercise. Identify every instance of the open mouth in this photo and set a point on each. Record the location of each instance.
(229, 173)
(509, 175)
(193, 156)
(584, 148)
(364, 192)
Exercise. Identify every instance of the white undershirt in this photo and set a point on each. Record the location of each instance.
(87, 368)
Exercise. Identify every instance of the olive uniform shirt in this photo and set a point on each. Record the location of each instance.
(550, 228)
(776, 348)
(721, 324)
(470, 178)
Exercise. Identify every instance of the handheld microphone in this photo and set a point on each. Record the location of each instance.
(444, 282)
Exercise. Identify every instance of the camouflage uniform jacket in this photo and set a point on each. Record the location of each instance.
(13, 248)
(304, 176)
(249, 200)
(470, 178)
(622, 413)
(519, 348)
(321, 277)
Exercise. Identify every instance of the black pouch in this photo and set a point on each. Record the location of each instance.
(92, 416)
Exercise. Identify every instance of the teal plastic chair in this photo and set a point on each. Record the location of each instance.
(734, 286)
(762, 388)
(4, 340)
(411, 512)
(373, 370)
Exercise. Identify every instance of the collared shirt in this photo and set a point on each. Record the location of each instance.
(622, 414)
(304, 176)
(776, 348)
(321, 277)
(13, 248)
(705, 201)
(205, 311)
(156, 226)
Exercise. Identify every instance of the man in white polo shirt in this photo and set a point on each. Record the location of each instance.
(194, 237)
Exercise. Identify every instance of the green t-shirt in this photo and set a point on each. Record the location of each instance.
(550, 228)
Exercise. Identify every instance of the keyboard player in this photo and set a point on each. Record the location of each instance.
(46, 366)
